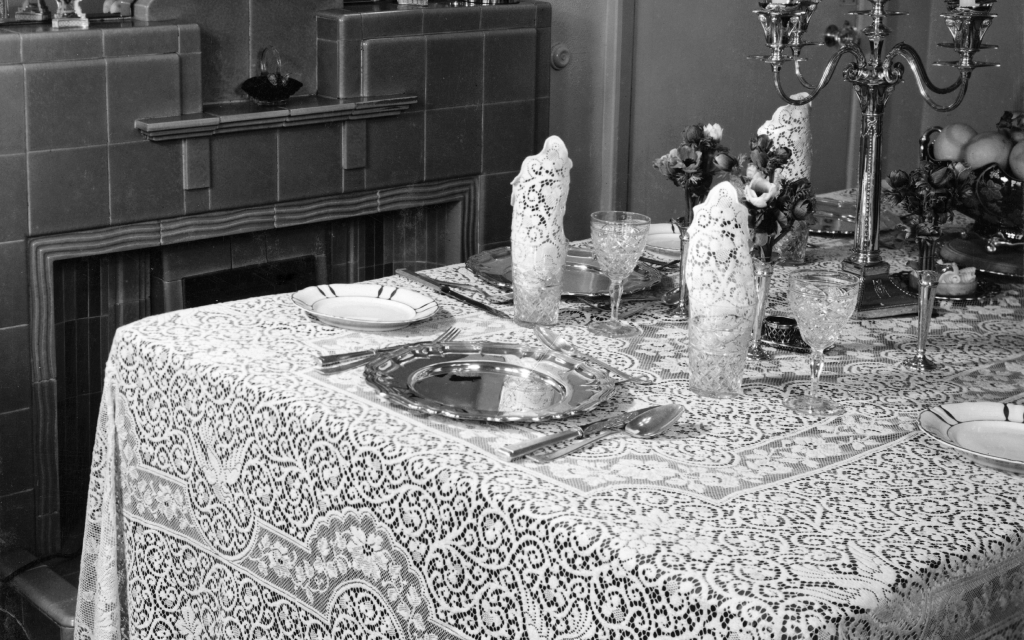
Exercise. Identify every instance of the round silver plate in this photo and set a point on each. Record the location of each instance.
(582, 275)
(989, 433)
(489, 382)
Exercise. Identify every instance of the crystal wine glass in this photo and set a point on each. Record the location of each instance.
(822, 301)
(618, 237)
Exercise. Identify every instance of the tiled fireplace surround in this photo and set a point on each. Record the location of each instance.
(463, 98)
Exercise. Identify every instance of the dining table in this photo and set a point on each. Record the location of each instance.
(239, 491)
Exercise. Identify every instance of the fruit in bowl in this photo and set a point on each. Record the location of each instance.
(950, 143)
(990, 147)
(954, 282)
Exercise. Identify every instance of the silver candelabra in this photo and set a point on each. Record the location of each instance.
(874, 75)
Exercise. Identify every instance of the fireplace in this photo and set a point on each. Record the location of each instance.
(96, 294)
(120, 156)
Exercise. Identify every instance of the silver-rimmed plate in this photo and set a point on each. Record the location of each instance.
(989, 433)
(489, 382)
(663, 239)
(582, 275)
(365, 307)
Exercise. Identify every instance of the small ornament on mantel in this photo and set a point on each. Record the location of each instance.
(70, 15)
(539, 246)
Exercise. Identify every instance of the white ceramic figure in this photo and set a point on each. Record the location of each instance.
(791, 127)
(539, 246)
(723, 293)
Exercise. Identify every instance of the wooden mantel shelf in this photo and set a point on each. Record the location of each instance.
(228, 118)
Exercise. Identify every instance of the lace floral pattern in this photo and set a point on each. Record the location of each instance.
(790, 126)
(539, 194)
(252, 497)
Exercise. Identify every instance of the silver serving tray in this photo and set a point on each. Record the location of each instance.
(581, 277)
(989, 433)
(489, 382)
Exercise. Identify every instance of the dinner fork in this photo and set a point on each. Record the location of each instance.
(342, 359)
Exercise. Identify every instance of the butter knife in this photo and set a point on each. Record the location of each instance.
(451, 293)
(513, 453)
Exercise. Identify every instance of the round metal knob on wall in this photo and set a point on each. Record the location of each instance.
(560, 56)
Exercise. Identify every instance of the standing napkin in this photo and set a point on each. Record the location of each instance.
(720, 281)
(791, 127)
(539, 246)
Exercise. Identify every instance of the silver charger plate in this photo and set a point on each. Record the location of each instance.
(489, 382)
(663, 239)
(581, 277)
(989, 433)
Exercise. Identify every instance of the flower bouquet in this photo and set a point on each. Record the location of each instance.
(774, 204)
(697, 164)
(701, 162)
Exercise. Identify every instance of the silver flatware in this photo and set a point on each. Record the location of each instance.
(509, 453)
(335, 359)
(443, 289)
(648, 424)
(500, 298)
(554, 341)
(660, 264)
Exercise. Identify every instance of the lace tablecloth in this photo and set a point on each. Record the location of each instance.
(238, 493)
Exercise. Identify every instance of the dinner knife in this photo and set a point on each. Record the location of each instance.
(593, 436)
(513, 453)
(451, 293)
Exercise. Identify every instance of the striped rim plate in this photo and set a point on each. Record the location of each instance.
(989, 433)
(365, 307)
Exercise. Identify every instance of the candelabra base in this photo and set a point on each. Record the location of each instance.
(884, 296)
(756, 353)
(920, 362)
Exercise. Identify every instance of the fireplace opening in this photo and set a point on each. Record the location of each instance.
(94, 295)
(283, 276)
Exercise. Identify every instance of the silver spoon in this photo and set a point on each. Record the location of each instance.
(649, 424)
(552, 340)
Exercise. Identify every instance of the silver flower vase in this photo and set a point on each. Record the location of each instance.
(763, 270)
(792, 249)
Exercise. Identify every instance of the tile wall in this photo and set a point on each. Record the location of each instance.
(72, 161)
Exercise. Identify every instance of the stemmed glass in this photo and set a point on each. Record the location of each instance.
(618, 237)
(822, 301)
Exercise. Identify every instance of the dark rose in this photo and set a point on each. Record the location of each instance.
(693, 134)
(725, 162)
(783, 154)
(689, 158)
(759, 158)
(899, 180)
(803, 209)
(941, 178)
(762, 142)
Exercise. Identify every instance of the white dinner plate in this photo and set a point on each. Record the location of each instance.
(663, 239)
(365, 307)
(989, 433)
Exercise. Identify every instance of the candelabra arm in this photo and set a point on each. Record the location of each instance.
(800, 76)
(826, 76)
(924, 83)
